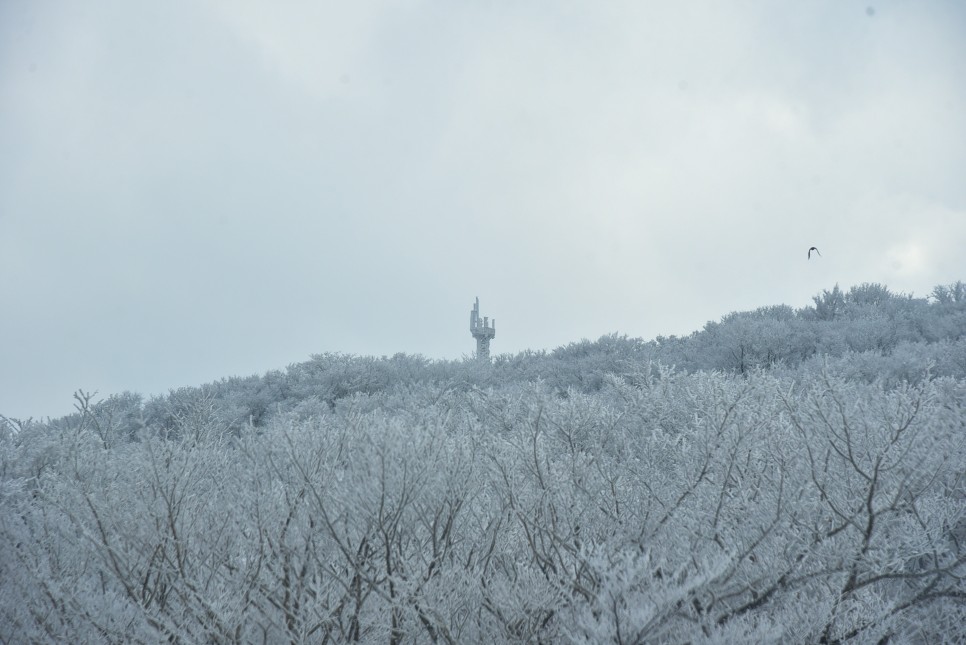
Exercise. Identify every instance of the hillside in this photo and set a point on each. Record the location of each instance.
(781, 475)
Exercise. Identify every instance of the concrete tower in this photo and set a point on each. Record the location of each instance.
(482, 331)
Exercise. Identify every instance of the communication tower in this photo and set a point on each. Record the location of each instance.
(483, 330)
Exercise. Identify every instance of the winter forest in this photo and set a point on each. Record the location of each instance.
(780, 476)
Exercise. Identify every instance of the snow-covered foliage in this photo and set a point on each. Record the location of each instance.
(799, 477)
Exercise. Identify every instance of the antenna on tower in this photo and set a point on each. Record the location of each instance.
(483, 331)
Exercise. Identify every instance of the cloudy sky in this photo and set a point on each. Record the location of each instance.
(194, 189)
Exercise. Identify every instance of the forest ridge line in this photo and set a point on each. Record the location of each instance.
(867, 330)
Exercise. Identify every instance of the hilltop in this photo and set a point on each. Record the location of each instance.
(865, 333)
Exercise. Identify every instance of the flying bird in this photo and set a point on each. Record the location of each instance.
(810, 252)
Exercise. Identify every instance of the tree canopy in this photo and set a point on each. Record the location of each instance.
(781, 475)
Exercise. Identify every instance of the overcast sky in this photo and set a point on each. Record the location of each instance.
(195, 189)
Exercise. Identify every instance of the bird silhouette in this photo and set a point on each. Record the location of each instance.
(810, 252)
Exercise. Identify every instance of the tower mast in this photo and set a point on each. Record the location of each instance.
(483, 331)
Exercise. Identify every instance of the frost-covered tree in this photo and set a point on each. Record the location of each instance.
(590, 494)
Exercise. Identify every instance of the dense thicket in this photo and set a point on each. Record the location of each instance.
(779, 476)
